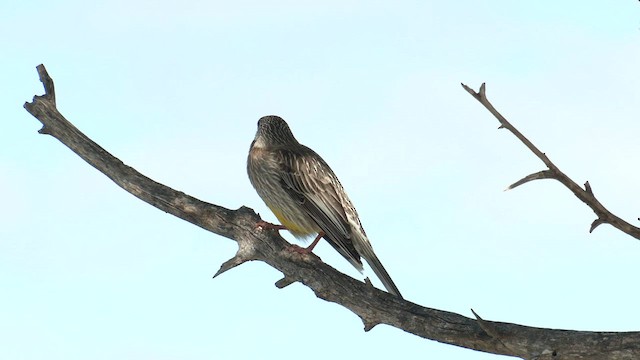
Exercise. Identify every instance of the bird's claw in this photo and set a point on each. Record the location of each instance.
(267, 225)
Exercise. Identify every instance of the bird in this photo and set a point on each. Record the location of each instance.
(305, 195)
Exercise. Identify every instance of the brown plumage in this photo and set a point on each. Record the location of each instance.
(306, 196)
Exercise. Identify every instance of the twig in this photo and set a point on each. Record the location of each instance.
(604, 216)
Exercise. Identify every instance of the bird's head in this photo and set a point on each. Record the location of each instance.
(273, 131)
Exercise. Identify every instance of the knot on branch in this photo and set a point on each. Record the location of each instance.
(285, 281)
(369, 324)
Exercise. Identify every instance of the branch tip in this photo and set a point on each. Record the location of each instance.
(544, 174)
(476, 315)
(597, 222)
(230, 264)
(47, 82)
(368, 325)
(369, 284)
(477, 95)
(587, 188)
(44, 130)
(284, 282)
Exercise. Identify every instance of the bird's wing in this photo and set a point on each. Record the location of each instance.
(309, 180)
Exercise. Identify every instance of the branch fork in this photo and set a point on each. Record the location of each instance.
(604, 216)
(371, 305)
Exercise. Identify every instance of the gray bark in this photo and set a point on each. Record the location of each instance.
(373, 306)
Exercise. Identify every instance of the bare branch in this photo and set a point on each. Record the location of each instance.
(586, 195)
(373, 306)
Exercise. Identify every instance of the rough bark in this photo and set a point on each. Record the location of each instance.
(373, 306)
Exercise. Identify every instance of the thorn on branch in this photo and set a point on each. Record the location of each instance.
(368, 282)
(486, 326)
(597, 222)
(544, 174)
(44, 130)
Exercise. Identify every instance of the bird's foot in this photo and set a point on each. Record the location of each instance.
(308, 249)
(267, 225)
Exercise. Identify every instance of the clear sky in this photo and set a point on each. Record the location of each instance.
(174, 89)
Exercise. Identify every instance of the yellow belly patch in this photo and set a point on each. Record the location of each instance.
(296, 229)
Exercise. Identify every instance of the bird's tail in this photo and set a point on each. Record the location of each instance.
(379, 270)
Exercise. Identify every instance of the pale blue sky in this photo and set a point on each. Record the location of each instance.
(174, 89)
